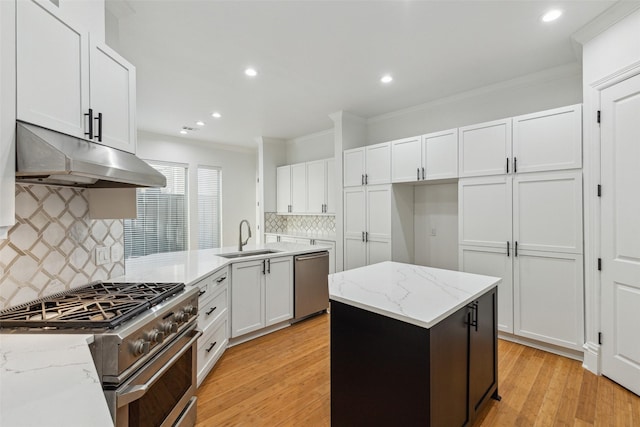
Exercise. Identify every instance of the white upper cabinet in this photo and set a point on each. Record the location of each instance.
(440, 155)
(69, 84)
(316, 186)
(330, 204)
(354, 167)
(370, 165)
(406, 160)
(53, 69)
(113, 97)
(548, 140)
(299, 188)
(7, 116)
(485, 149)
(378, 164)
(429, 157)
(283, 190)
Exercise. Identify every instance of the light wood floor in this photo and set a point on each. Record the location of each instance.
(282, 379)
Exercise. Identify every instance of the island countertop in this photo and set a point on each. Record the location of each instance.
(418, 295)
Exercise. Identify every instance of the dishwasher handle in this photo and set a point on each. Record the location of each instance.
(312, 256)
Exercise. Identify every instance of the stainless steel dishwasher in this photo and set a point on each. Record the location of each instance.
(311, 284)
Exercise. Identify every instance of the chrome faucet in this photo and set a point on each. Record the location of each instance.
(240, 242)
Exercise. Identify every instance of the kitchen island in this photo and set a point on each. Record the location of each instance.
(411, 345)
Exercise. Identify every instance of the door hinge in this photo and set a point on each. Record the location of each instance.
(600, 338)
(599, 190)
(598, 116)
(599, 264)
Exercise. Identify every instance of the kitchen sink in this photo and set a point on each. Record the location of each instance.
(248, 253)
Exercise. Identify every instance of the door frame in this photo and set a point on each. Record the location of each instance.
(592, 211)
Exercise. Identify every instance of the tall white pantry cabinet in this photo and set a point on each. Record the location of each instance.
(520, 218)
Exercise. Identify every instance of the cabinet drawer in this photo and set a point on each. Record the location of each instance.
(214, 308)
(210, 285)
(210, 346)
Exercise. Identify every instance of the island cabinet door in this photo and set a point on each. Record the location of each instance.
(483, 374)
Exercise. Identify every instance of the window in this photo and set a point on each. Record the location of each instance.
(162, 222)
(209, 207)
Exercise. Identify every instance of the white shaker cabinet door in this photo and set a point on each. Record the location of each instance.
(440, 155)
(548, 140)
(406, 160)
(247, 297)
(378, 250)
(548, 297)
(283, 189)
(378, 212)
(547, 211)
(331, 186)
(355, 249)
(354, 167)
(299, 188)
(52, 69)
(355, 252)
(113, 96)
(378, 164)
(316, 186)
(485, 149)
(278, 290)
(485, 215)
(493, 262)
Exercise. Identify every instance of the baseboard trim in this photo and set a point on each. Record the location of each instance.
(561, 351)
(591, 357)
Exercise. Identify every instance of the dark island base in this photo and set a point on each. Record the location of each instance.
(386, 372)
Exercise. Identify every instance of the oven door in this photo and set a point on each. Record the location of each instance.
(162, 393)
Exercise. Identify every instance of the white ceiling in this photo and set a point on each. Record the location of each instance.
(318, 57)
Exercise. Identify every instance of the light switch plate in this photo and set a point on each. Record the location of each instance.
(103, 255)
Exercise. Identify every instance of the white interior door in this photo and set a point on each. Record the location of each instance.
(493, 262)
(620, 232)
(113, 94)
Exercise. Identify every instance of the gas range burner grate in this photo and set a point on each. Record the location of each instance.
(97, 306)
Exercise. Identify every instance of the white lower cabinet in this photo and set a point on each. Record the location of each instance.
(213, 320)
(261, 295)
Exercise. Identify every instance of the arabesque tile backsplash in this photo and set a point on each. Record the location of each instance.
(51, 248)
(313, 224)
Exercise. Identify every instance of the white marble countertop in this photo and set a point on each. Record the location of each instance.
(422, 296)
(189, 267)
(50, 380)
(306, 235)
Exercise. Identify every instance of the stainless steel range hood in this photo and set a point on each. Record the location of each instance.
(44, 156)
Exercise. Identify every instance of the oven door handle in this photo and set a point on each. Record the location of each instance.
(132, 393)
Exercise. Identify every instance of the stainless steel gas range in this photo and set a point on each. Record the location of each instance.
(144, 344)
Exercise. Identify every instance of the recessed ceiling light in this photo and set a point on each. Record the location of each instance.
(216, 115)
(386, 78)
(200, 123)
(184, 132)
(551, 15)
(251, 72)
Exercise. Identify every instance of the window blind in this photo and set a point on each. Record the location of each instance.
(209, 221)
(162, 222)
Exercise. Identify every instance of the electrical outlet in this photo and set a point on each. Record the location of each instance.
(434, 232)
(103, 255)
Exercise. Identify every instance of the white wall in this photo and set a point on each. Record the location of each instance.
(547, 89)
(238, 178)
(436, 209)
(316, 146)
